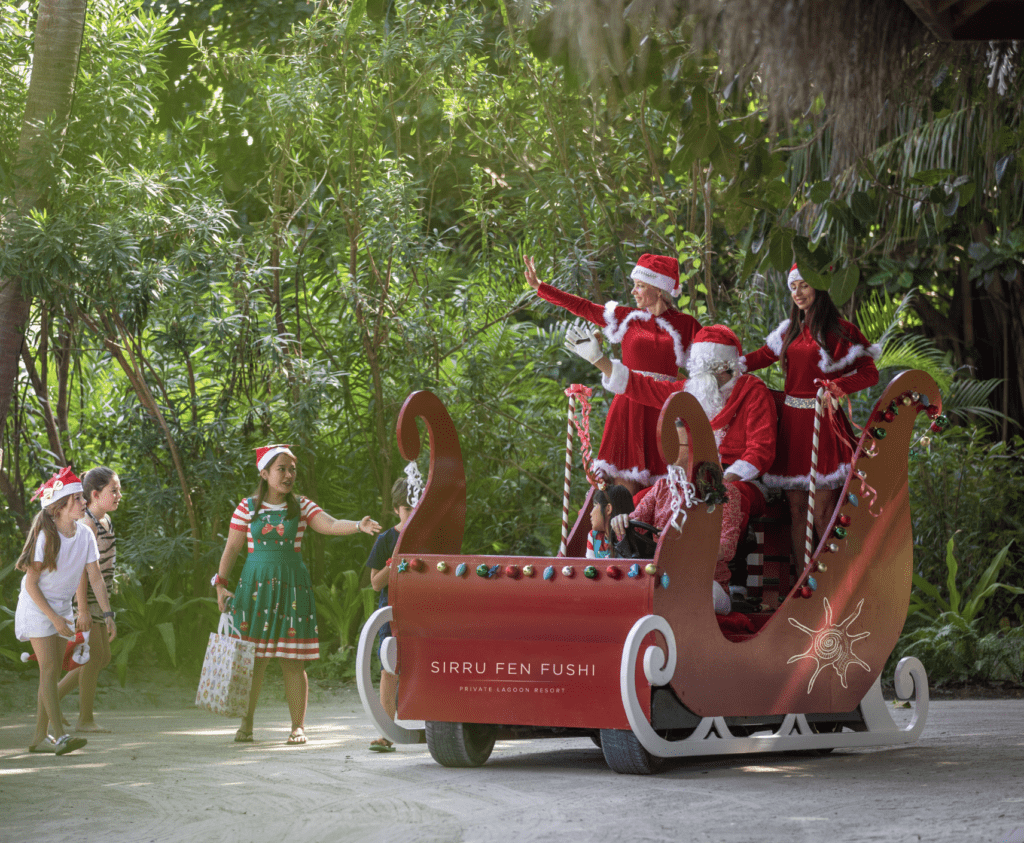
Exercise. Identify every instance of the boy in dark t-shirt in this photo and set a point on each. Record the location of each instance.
(379, 564)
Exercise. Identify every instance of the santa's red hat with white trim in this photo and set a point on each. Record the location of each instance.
(62, 484)
(659, 271)
(794, 275)
(265, 454)
(715, 347)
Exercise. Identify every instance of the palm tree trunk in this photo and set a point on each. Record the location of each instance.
(60, 26)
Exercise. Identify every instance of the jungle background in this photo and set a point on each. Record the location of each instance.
(226, 224)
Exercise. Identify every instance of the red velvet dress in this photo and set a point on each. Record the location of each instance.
(657, 345)
(851, 365)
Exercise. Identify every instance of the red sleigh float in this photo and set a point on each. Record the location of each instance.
(504, 647)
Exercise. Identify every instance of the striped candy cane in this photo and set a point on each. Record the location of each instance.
(812, 479)
(568, 471)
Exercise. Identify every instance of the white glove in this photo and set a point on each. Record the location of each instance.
(582, 342)
(619, 525)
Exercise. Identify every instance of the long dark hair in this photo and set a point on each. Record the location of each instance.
(260, 492)
(43, 522)
(824, 321)
(618, 496)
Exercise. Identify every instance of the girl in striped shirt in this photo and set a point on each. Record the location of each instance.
(101, 488)
(273, 603)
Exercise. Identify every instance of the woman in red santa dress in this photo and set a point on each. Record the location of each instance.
(655, 339)
(817, 347)
(742, 416)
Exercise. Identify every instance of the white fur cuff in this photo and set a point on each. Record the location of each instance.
(618, 380)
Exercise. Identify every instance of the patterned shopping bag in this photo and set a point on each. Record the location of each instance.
(227, 672)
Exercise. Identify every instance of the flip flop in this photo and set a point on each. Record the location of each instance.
(382, 745)
(241, 736)
(297, 737)
(48, 744)
(66, 743)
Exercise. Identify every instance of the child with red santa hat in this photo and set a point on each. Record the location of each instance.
(816, 347)
(655, 339)
(58, 553)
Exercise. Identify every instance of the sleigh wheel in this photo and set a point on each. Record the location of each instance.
(459, 744)
(624, 754)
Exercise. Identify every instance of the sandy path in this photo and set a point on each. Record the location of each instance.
(172, 774)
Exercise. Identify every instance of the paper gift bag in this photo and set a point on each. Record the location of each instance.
(227, 672)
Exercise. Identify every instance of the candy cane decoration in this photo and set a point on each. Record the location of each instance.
(812, 478)
(568, 472)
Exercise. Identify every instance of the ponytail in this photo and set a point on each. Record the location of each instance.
(43, 523)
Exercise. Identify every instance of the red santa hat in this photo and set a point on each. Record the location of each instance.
(76, 653)
(62, 484)
(715, 348)
(265, 454)
(794, 275)
(659, 271)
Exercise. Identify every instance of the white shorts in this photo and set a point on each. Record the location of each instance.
(30, 622)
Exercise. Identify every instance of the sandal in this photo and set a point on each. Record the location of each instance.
(297, 737)
(47, 744)
(66, 743)
(382, 745)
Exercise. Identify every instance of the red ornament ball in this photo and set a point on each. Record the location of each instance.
(291, 632)
(806, 591)
(845, 520)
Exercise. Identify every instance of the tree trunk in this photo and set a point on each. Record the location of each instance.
(60, 26)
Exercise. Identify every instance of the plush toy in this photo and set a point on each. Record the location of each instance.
(75, 654)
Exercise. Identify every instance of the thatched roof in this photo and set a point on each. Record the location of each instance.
(865, 59)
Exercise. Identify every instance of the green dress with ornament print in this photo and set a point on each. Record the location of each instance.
(273, 603)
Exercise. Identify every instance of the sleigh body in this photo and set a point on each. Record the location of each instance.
(631, 654)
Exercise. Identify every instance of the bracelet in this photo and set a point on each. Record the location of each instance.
(218, 580)
(108, 615)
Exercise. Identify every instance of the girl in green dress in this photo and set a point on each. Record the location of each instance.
(274, 605)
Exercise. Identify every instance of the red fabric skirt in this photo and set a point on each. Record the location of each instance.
(629, 446)
(792, 466)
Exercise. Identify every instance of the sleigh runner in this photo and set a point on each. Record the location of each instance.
(630, 652)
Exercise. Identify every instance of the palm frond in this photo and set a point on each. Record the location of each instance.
(967, 398)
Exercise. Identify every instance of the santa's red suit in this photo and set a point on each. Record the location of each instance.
(655, 345)
(849, 362)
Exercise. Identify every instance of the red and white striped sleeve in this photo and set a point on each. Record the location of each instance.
(241, 517)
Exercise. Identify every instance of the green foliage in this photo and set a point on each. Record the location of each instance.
(145, 619)
(964, 608)
(952, 634)
(962, 485)
(341, 609)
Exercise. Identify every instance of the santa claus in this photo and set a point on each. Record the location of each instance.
(742, 416)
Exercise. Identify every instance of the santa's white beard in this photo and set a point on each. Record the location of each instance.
(704, 387)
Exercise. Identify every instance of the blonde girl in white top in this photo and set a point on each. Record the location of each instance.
(58, 553)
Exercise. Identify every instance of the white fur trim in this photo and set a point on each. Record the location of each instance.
(51, 495)
(639, 475)
(828, 365)
(614, 330)
(743, 469)
(705, 354)
(875, 350)
(682, 358)
(774, 340)
(270, 454)
(618, 380)
(794, 275)
(824, 481)
(655, 279)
